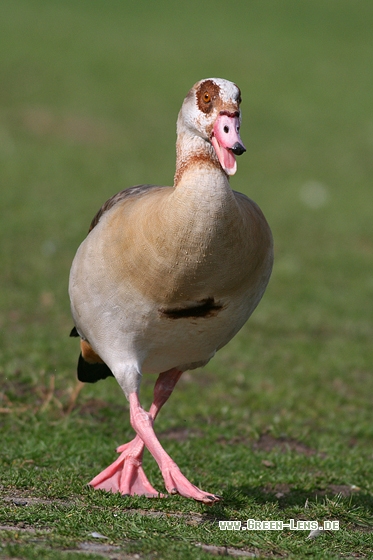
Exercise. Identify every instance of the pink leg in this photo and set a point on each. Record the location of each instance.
(126, 474)
(175, 481)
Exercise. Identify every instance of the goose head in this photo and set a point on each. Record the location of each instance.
(209, 123)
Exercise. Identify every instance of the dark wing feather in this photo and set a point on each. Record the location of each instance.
(74, 332)
(90, 373)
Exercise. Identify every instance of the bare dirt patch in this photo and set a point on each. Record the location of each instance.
(229, 551)
(268, 443)
(282, 490)
(179, 434)
(23, 501)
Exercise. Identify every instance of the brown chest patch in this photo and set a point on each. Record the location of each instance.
(197, 159)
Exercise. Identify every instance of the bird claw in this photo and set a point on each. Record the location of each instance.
(177, 483)
(126, 475)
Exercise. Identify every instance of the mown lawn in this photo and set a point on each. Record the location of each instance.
(280, 423)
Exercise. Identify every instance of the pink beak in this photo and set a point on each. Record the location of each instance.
(226, 141)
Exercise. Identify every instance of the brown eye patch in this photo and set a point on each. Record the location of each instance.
(206, 94)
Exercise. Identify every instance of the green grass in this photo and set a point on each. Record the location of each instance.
(280, 422)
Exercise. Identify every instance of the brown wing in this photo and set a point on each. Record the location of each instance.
(137, 190)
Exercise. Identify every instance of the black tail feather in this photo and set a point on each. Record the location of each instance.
(90, 373)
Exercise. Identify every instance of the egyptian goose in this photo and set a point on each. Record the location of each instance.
(167, 276)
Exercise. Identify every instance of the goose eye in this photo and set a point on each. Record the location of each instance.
(206, 97)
